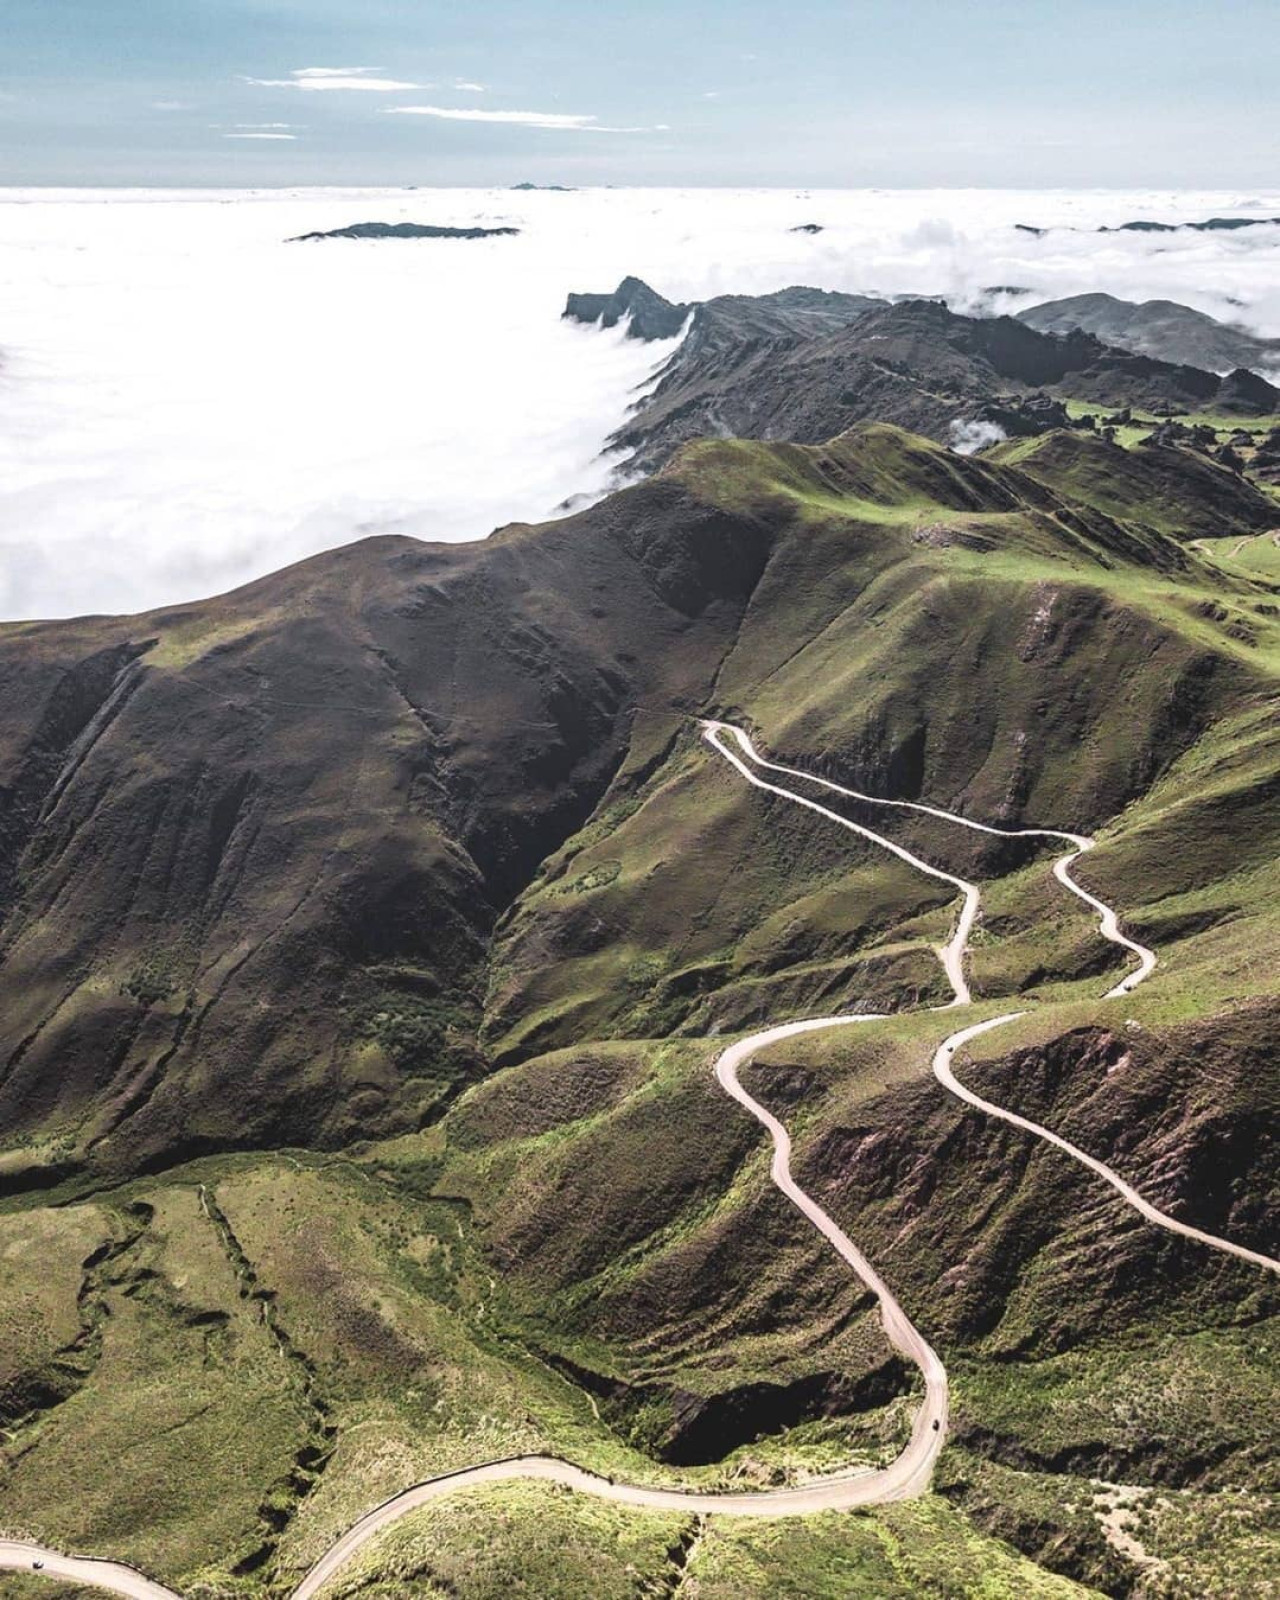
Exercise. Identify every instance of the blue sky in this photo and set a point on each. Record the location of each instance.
(1167, 93)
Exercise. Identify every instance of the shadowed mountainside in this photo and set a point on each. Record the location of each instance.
(253, 848)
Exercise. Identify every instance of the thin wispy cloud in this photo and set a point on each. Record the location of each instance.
(470, 88)
(561, 121)
(170, 105)
(286, 136)
(330, 79)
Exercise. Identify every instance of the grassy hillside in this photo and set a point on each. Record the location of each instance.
(1083, 655)
(369, 935)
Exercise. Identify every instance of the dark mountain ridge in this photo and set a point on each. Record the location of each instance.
(804, 365)
(1145, 225)
(724, 322)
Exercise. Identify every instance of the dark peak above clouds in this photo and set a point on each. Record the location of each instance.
(652, 316)
(796, 312)
(1212, 225)
(404, 230)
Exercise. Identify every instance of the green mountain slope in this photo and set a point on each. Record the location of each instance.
(367, 938)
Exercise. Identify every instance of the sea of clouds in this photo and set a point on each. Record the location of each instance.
(187, 401)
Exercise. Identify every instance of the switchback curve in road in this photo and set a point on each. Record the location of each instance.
(955, 951)
(906, 1476)
(1108, 921)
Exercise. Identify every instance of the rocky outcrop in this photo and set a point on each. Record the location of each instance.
(651, 316)
(1266, 457)
(1023, 417)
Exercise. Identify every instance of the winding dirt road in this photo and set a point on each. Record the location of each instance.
(112, 1575)
(953, 953)
(905, 1477)
(909, 1474)
(953, 957)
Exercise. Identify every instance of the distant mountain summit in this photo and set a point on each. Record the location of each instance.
(1162, 329)
(651, 315)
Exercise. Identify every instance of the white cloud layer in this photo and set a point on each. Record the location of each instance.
(187, 402)
(329, 79)
(287, 136)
